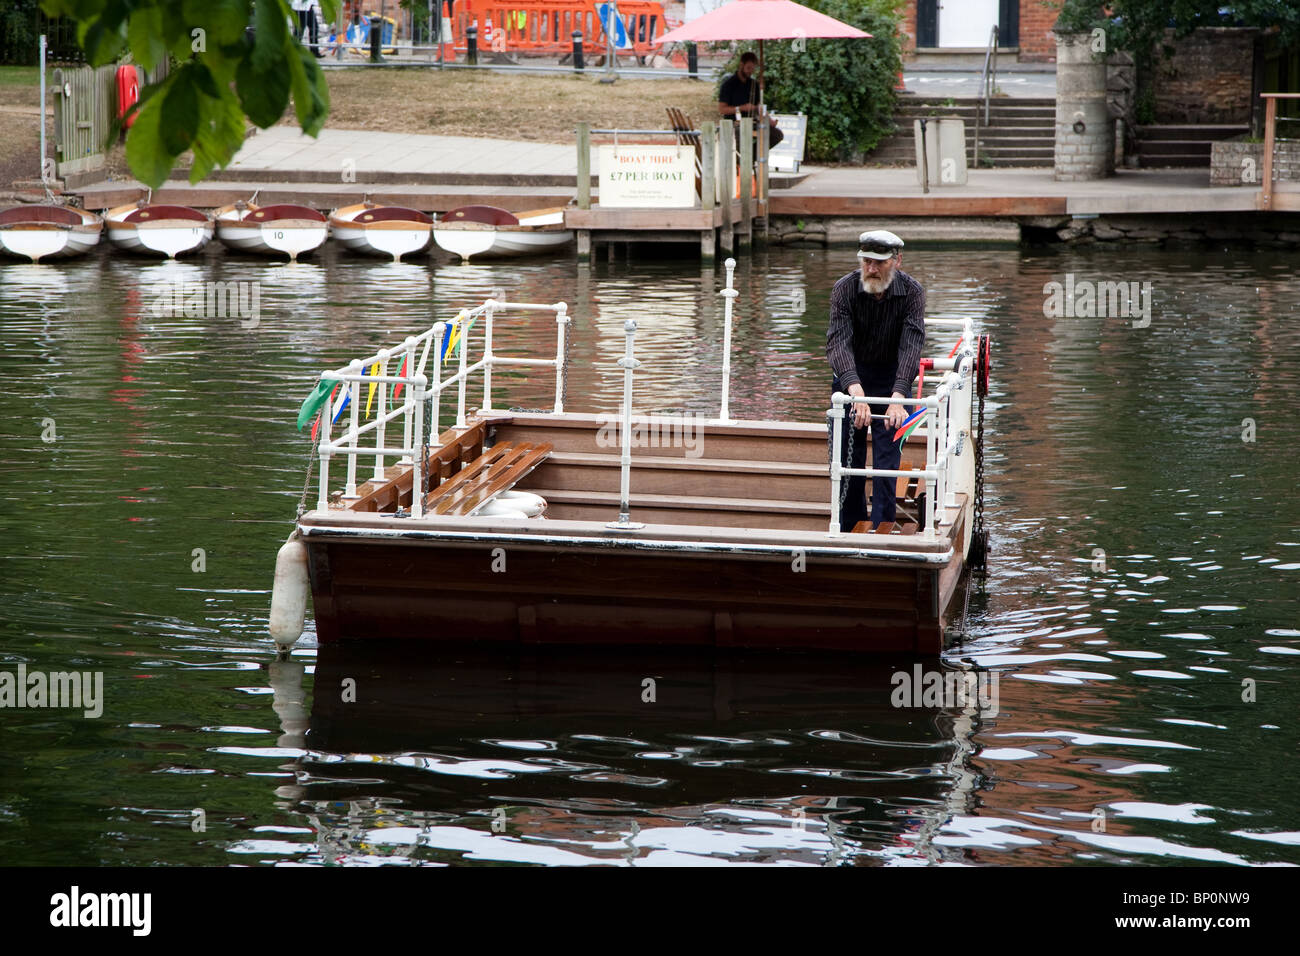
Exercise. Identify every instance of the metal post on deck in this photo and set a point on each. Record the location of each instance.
(561, 358)
(409, 359)
(836, 415)
(487, 355)
(462, 343)
(624, 522)
(384, 355)
(729, 293)
(354, 399)
(326, 423)
(417, 456)
(930, 466)
(439, 334)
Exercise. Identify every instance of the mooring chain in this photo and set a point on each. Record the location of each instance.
(306, 485)
(564, 368)
(831, 423)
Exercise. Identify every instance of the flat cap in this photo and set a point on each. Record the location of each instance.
(879, 244)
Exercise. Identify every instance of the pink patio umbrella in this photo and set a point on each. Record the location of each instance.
(761, 20)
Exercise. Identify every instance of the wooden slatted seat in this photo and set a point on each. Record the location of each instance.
(496, 470)
(684, 128)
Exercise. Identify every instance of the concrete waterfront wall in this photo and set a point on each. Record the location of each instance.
(1084, 131)
(1234, 162)
(1264, 230)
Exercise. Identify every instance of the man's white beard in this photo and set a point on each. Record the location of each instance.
(877, 286)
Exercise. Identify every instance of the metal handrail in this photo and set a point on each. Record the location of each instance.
(988, 80)
(421, 391)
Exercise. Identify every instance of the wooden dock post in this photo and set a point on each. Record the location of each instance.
(727, 147)
(764, 183)
(746, 181)
(708, 184)
(584, 186)
(584, 166)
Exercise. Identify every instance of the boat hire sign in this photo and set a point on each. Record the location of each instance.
(658, 176)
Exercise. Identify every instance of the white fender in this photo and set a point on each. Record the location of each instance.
(525, 501)
(500, 509)
(289, 593)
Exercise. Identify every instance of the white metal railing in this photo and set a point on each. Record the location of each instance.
(943, 441)
(423, 395)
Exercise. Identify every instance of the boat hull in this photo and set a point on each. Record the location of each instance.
(394, 232)
(169, 237)
(499, 242)
(442, 590)
(25, 234)
(290, 237)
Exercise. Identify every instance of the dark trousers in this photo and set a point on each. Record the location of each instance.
(885, 453)
(307, 20)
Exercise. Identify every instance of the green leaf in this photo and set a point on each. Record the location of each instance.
(145, 153)
(311, 95)
(221, 134)
(271, 35)
(180, 113)
(263, 95)
(144, 31)
(101, 44)
(224, 20)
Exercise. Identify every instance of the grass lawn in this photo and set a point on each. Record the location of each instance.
(543, 108)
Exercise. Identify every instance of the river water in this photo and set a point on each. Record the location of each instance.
(1140, 612)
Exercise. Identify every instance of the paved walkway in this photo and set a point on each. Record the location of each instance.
(437, 172)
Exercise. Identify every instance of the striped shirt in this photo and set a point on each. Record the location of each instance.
(886, 333)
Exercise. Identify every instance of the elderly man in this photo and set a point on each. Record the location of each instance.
(873, 344)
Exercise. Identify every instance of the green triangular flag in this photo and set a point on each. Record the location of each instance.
(319, 396)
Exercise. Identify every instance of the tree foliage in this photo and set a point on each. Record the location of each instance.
(1139, 26)
(846, 87)
(232, 60)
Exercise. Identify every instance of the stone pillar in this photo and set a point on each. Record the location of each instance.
(1084, 131)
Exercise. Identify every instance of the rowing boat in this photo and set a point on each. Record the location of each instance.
(487, 231)
(281, 229)
(48, 231)
(655, 529)
(393, 231)
(158, 229)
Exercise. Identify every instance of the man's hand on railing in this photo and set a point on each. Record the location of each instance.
(895, 414)
(861, 412)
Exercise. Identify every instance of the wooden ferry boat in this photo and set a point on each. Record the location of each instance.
(729, 537)
(48, 231)
(394, 231)
(487, 231)
(160, 229)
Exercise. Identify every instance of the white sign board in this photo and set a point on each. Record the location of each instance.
(662, 176)
(788, 154)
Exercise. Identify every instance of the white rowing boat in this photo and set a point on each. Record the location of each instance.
(281, 229)
(382, 230)
(48, 231)
(480, 231)
(160, 229)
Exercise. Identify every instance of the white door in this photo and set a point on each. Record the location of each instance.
(966, 23)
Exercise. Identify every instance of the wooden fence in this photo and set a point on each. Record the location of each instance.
(85, 110)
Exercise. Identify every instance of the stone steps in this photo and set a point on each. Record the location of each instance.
(1020, 132)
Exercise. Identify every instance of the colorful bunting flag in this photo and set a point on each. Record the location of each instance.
(910, 425)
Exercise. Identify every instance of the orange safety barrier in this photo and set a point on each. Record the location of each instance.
(546, 26)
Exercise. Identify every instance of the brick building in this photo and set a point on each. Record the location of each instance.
(1025, 25)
